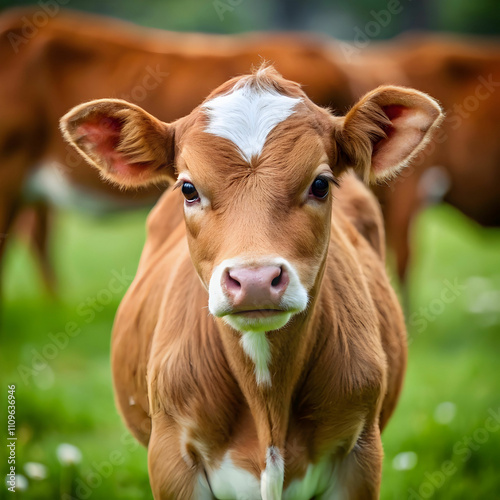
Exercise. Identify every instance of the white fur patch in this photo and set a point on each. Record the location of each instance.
(256, 347)
(231, 482)
(271, 482)
(218, 303)
(247, 115)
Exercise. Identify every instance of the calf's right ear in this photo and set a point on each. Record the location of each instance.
(129, 146)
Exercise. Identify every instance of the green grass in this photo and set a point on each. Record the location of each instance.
(69, 399)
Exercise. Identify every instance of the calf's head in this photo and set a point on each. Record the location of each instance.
(258, 165)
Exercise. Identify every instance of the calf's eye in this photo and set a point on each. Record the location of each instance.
(319, 188)
(189, 192)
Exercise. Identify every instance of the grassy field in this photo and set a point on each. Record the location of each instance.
(443, 442)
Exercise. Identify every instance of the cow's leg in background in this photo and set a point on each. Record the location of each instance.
(401, 202)
(34, 222)
(14, 165)
(12, 178)
(23, 140)
(41, 244)
(8, 209)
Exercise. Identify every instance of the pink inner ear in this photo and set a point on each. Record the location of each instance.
(101, 134)
(394, 111)
(403, 136)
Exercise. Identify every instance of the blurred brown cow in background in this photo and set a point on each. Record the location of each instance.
(462, 166)
(77, 57)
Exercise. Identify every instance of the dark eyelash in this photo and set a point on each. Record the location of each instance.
(335, 181)
(178, 184)
(331, 179)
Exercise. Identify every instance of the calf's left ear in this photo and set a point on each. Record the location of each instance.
(128, 146)
(385, 130)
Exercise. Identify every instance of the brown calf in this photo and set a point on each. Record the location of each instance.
(279, 389)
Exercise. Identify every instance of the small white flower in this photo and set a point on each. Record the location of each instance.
(34, 470)
(21, 482)
(445, 412)
(45, 378)
(483, 295)
(68, 454)
(405, 460)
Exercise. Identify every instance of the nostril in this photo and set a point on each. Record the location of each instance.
(280, 281)
(232, 283)
(277, 280)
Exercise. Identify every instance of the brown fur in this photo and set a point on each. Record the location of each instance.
(183, 383)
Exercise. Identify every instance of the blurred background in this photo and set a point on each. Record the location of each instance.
(334, 18)
(444, 439)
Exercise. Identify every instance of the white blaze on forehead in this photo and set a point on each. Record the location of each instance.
(247, 115)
